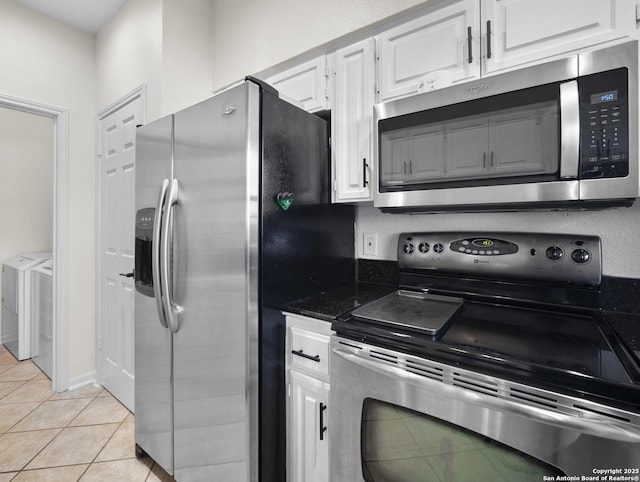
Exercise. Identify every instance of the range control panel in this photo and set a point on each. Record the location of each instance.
(528, 256)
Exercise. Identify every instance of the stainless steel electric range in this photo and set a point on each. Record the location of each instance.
(492, 361)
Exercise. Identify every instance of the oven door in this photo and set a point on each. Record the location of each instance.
(400, 417)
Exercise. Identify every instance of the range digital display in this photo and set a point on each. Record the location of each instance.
(604, 97)
(483, 243)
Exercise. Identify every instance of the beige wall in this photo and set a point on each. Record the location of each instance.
(26, 183)
(48, 62)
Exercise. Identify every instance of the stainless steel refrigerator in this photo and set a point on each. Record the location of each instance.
(232, 220)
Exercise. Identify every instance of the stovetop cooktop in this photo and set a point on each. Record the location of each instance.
(540, 324)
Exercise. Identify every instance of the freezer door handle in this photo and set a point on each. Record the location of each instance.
(155, 252)
(170, 308)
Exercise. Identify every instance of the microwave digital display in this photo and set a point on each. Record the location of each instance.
(604, 97)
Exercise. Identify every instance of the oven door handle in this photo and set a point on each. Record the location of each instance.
(602, 427)
(569, 130)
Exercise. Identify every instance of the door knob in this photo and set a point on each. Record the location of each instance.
(127, 275)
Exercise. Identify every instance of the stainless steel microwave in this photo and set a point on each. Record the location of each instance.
(555, 135)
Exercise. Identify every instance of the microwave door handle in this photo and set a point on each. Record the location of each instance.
(155, 252)
(569, 130)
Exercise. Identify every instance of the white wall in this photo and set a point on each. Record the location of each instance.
(129, 54)
(26, 183)
(188, 37)
(45, 61)
(164, 44)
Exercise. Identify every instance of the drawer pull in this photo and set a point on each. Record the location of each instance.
(304, 355)
(323, 429)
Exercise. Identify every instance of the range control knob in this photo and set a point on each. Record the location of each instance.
(554, 253)
(581, 256)
(408, 248)
(438, 248)
(423, 247)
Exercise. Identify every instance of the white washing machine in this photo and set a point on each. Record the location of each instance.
(42, 316)
(16, 302)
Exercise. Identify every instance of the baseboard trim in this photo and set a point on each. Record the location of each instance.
(86, 379)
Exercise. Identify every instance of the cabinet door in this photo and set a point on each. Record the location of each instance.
(304, 85)
(529, 30)
(432, 47)
(309, 444)
(394, 158)
(466, 148)
(352, 121)
(519, 141)
(427, 154)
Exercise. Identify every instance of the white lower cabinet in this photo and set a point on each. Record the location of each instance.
(308, 413)
(308, 427)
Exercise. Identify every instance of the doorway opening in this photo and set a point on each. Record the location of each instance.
(58, 119)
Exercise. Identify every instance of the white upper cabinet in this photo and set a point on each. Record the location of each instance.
(521, 31)
(305, 85)
(352, 121)
(430, 52)
(472, 38)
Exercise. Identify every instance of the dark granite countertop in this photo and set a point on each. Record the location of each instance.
(328, 305)
(620, 303)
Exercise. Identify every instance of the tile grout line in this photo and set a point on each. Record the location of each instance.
(149, 465)
(60, 430)
(100, 451)
(25, 416)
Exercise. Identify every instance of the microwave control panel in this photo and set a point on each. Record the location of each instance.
(604, 125)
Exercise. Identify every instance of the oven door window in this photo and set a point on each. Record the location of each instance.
(400, 445)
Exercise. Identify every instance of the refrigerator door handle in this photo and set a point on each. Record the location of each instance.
(170, 308)
(155, 253)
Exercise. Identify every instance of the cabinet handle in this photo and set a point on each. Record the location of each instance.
(484, 160)
(365, 183)
(323, 429)
(301, 353)
(491, 164)
(488, 39)
(469, 41)
(404, 168)
(410, 167)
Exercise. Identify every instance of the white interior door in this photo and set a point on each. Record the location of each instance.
(116, 249)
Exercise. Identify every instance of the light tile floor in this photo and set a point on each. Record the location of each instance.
(84, 434)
